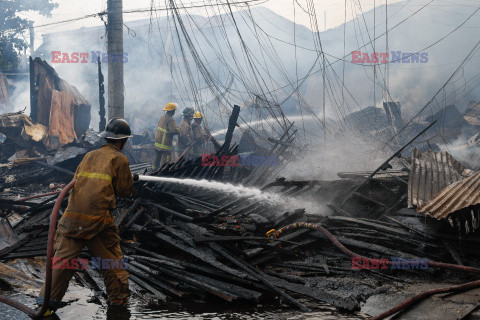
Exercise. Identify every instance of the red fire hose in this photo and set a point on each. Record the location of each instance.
(39, 196)
(48, 277)
(420, 296)
(407, 303)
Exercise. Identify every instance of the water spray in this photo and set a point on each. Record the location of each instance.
(238, 191)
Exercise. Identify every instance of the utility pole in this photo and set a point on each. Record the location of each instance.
(32, 39)
(115, 59)
(101, 98)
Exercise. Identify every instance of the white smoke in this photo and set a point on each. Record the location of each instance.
(19, 97)
(346, 152)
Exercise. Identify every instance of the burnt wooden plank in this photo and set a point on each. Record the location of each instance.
(202, 255)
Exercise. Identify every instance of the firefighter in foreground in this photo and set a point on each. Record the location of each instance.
(103, 175)
(198, 136)
(185, 136)
(166, 129)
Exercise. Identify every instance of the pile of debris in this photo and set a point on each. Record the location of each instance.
(55, 132)
(190, 243)
(240, 235)
(214, 245)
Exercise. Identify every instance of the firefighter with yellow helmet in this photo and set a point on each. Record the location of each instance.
(166, 129)
(198, 136)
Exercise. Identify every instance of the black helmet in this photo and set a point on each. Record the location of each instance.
(117, 128)
(188, 112)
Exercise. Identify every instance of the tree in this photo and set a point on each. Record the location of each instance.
(12, 26)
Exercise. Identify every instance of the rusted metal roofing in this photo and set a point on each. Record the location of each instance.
(59, 106)
(458, 203)
(430, 173)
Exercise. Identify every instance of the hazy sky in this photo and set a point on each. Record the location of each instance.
(291, 9)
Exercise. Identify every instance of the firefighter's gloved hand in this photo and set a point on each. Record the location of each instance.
(136, 177)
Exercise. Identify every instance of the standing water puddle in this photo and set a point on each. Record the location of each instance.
(81, 309)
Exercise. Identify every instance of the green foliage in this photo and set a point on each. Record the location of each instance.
(12, 26)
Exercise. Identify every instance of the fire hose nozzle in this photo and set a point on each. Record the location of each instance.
(141, 177)
(272, 234)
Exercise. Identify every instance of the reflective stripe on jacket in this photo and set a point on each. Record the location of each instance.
(167, 127)
(103, 175)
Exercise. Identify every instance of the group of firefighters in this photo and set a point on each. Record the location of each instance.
(190, 136)
(102, 176)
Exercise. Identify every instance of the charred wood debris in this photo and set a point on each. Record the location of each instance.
(194, 244)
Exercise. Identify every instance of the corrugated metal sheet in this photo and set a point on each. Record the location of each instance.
(458, 203)
(430, 173)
